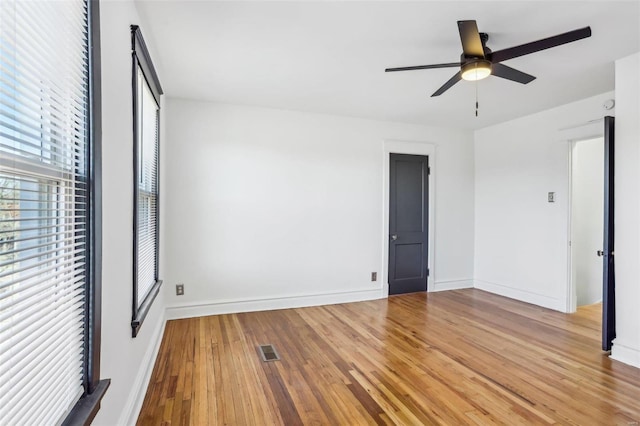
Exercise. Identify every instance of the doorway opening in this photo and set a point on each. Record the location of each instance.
(584, 263)
(587, 221)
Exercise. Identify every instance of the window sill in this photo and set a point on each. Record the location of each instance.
(143, 310)
(87, 407)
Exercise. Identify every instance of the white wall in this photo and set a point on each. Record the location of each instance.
(521, 240)
(587, 219)
(271, 208)
(626, 347)
(126, 361)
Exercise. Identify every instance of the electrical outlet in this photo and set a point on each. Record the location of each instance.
(374, 276)
(179, 289)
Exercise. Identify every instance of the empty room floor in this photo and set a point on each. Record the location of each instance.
(452, 358)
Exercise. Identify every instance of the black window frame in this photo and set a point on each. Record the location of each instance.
(88, 405)
(142, 60)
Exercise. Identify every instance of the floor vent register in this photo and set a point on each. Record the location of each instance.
(268, 353)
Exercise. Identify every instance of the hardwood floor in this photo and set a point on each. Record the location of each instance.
(451, 358)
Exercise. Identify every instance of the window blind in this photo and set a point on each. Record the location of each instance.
(148, 121)
(44, 72)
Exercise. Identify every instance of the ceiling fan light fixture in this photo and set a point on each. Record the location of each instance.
(476, 70)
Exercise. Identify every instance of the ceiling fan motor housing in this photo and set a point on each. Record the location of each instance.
(475, 69)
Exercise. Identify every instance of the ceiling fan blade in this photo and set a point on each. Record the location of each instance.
(470, 38)
(536, 46)
(453, 80)
(501, 70)
(424, 67)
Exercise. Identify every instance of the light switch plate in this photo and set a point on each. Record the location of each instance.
(551, 197)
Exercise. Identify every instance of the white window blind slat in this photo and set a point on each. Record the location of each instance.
(41, 326)
(64, 267)
(9, 254)
(38, 283)
(53, 376)
(44, 12)
(48, 360)
(44, 83)
(27, 304)
(27, 99)
(33, 135)
(61, 230)
(45, 40)
(50, 252)
(28, 80)
(45, 360)
(57, 260)
(55, 360)
(28, 186)
(56, 404)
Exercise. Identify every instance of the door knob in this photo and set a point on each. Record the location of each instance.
(394, 237)
(600, 253)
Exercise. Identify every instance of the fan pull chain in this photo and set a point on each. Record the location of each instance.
(476, 97)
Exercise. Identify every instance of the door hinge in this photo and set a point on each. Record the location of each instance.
(428, 271)
(428, 170)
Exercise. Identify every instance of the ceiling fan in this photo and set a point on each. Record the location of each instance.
(477, 61)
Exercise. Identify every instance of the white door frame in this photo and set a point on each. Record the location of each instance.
(412, 148)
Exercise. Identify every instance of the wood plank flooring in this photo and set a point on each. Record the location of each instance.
(451, 358)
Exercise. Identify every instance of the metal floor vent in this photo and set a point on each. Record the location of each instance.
(268, 353)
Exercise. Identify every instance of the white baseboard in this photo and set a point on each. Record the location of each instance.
(130, 413)
(452, 285)
(624, 353)
(522, 295)
(217, 307)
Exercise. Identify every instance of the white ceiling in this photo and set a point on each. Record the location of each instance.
(330, 56)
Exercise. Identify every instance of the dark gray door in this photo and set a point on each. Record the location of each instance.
(408, 223)
(608, 278)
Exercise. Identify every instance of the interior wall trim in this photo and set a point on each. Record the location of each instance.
(231, 306)
(522, 295)
(452, 284)
(138, 391)
(624, 353)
